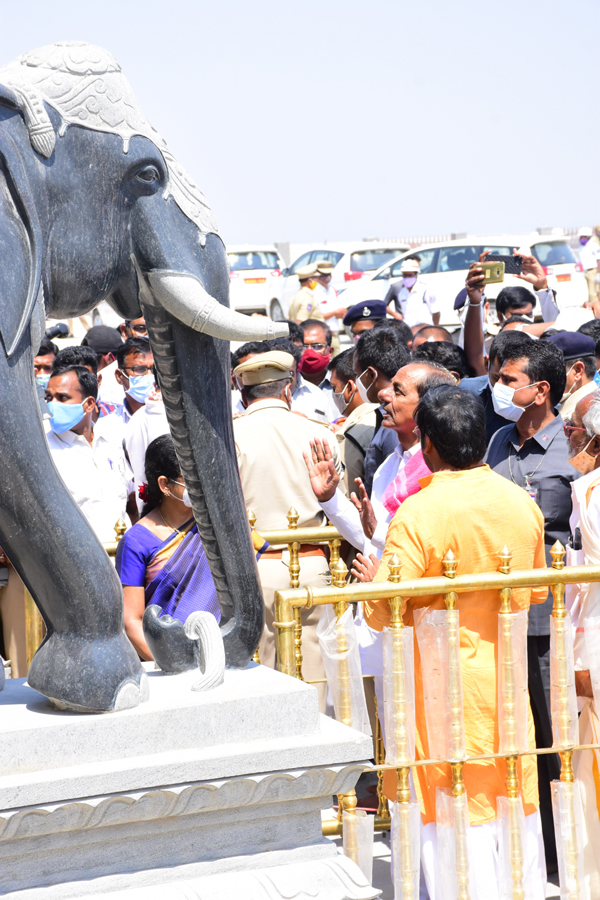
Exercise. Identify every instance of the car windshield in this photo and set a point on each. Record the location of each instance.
(426, 259)
(368, 260)
(554, 254)
(254, 259)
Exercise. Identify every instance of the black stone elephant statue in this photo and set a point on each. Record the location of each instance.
(94, 207)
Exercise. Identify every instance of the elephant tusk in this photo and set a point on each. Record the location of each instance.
(182, 295)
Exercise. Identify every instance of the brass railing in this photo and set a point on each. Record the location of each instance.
(450, 586)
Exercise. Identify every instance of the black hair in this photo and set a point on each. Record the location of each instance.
(543, 362)
(75, 356)
(249, 349)
(88, 383)
(398, 325)
(446, 354)
(47, 348)
(436, 376)
(253, 392)
(132, 345)
(285, 345)
(160, 459)
(383, 349)
(312, 323)
(591, 329)
(434, 331)
(454, 421)
(516, 319)
(550, 332)
(516, 297)
(503, 344)
(589, 364)
(296, 333)
(342, 365)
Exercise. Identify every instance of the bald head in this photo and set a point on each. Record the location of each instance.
(400, 398)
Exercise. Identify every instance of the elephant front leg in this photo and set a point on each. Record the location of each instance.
(86, 661)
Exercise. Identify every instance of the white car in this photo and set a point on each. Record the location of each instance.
(352, 262)
(256, 280)
(444, 269)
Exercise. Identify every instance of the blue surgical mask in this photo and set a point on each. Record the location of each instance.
(42, 379)
(140, 386)
(64, 415)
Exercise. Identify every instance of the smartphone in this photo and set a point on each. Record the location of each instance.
(512, 264)
(493, 272)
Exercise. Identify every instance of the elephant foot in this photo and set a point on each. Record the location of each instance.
(88, 675)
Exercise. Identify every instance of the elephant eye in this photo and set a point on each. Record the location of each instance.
(148, 175)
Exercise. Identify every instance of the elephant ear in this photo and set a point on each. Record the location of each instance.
(20, 242)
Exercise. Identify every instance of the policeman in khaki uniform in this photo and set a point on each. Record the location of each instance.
(270, 440)
(305, 304)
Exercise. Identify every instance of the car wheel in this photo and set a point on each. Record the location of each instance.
(276, 311)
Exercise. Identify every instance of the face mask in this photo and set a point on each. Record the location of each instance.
(185, 497)
(583, 462)
(409, 280)
(64, 415)
(583, 241)
(140, 386)
(312, 362)
(571, 389)
(339, 401)
(362, 390)
(502, 398)
(42, 380)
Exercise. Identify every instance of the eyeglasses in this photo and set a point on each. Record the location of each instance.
(139, 329)
(318, 347)
(569, 428)
(137, 370)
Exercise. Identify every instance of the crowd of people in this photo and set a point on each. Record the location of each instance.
(411, 441)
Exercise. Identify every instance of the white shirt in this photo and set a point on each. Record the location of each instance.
(328, 300)
(418, 305)
(344, 516)
(97, 477)
(145, 426)
(589, 254)
(110, 391)
(310, 400)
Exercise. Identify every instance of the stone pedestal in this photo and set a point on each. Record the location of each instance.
(213, 796)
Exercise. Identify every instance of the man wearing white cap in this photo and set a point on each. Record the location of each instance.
(270, 440)
(305, 304)
(589, 257)
(410, 299)
(332, 310)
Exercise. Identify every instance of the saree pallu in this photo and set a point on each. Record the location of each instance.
(178, 577)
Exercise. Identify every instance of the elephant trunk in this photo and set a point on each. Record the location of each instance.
(193, 371)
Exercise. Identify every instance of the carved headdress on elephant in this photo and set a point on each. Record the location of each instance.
(93, 207)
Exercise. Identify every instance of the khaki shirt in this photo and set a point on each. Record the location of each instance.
(358, 429)
(270, 440)
(305, 305)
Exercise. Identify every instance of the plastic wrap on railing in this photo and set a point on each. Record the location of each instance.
(568, 829)
(406, 853)
(513, 698)
(341, 659)
(452, 829)
(399, 695)
(442, 684)
(358, 833)
(592, 647)
(515, 875)
(563, 698)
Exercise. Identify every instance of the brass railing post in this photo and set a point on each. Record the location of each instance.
(294, 548)
(284, 632)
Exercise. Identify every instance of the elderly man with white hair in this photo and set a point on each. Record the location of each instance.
(583, 600)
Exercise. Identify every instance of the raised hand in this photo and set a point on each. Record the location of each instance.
(365, 509)
(532, 272)
(365, 569)
(321, 470)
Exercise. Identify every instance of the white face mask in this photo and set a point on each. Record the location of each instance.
(409, 280)
(571, 389)
(502, 398)
(362, 390)
(341, 404)
(185, 498)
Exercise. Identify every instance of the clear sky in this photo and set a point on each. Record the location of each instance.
(337, 119)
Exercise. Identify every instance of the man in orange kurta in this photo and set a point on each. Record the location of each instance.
(465, 507)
